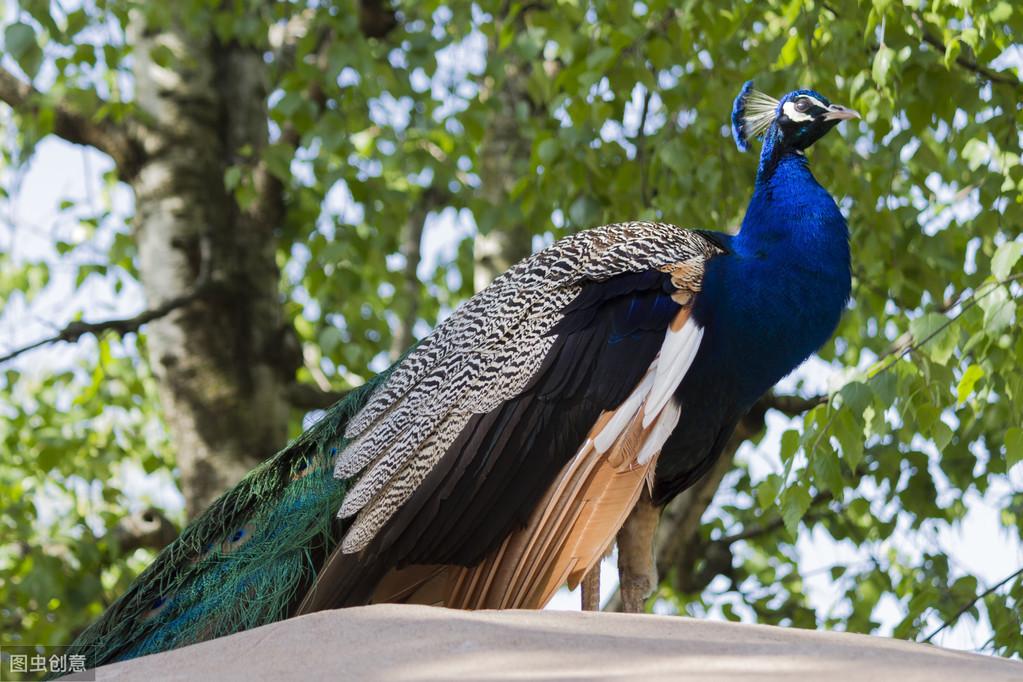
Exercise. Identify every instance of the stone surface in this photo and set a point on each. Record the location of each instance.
(391, 642)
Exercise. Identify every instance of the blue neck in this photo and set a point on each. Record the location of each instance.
(778, 295)
(771, 155)
(790, 210)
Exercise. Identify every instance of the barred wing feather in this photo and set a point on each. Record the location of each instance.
(488, 430)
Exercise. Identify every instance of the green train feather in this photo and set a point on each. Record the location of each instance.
(242, 563)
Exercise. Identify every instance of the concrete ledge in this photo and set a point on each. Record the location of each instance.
(392, 642)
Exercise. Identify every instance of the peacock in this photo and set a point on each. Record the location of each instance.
(498, 458)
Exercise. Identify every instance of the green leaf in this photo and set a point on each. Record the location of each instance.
(548, 150)
(934, 336)
(952, 52)
(927, 416)
(856, 396)
(941, 434)
(19, 38)
(20, 42)
(1005, 258)
(794, 503)
(970, 37)
(278, 160)
(1013, 447)
(968, 382)
(659, 51)
(599, 58)
(363, 141)
(789, 51)
(767, 491)
(827, 472)
(330, 339)
(583, 211)
(849, 432)
(884, 386)
(882, 65)
(999, 310)
(1001, 12)
(976, 153)
(232, 176)
(789, 444)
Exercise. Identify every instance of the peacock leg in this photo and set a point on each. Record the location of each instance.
(637, 571)
(591, 589)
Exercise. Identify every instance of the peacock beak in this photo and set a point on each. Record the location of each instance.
(837, 112)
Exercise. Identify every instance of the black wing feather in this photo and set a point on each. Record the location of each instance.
(492, 476)
(488, 485)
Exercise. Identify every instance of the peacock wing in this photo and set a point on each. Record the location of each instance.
(514, 440)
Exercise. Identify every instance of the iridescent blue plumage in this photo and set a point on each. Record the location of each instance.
(772, 300)
(739, 117)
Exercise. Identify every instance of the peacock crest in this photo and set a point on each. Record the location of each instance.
(752, 115)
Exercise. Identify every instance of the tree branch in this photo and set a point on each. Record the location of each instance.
(905, 345)
(966, 607)
(105, 135)
(777, 523)
(1003, 77)
(640, 141)
(78, 328)
(900, 348)
(149, 528)
(409, 294)
(791, 405)
(304, 396)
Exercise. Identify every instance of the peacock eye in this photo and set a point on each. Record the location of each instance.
(802, 104)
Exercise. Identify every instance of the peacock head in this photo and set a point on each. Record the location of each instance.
(796, 121)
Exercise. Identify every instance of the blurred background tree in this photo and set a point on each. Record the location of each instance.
(291, 193)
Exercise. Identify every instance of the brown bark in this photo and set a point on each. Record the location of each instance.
(503, 159)
(223, 363)
(410, 291)
(118, 140)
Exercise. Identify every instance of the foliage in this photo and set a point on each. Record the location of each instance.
(625, 110)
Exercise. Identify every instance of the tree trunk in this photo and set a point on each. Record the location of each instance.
(221, 363)
(408, 301)
(504, 238)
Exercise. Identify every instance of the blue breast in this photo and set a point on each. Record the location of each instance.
(778, 295)
(766, 305)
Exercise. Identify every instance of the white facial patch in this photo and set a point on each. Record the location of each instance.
(794, 114)
(799, 116)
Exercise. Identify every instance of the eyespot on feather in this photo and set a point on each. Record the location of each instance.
(203, 553)
(237, 539)
(156, 608)
(303, 467)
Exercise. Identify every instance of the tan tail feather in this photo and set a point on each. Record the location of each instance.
(399, 585)
(569, 532)
(546, 531)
